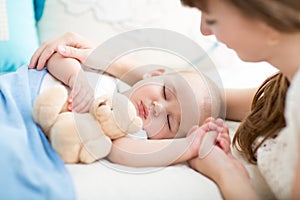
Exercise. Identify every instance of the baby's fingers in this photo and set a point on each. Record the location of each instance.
(82, 101)
(209, 119)
(83, 106)
(210, 126)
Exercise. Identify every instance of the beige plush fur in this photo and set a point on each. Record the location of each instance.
(86, 137)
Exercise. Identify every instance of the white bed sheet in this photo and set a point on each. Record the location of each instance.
(105, 180)
(101, 180)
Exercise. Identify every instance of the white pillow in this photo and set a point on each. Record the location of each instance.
(56, 21)
(98, 20)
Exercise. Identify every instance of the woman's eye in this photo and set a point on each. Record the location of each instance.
(210, 22)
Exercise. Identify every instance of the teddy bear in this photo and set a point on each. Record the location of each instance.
(84, 137)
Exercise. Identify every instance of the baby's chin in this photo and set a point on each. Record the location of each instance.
(151, 134)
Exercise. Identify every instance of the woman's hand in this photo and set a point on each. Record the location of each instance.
(68, 45)
(223, 139)
(228, 173)
(220, 165)
(221, 152)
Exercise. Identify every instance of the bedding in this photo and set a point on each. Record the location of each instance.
(105, 180)
(35, 171)
(39, 167)
(29, 165)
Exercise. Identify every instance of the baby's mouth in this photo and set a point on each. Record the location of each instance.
(143, 111)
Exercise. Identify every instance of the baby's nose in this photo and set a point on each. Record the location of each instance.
(158, 108)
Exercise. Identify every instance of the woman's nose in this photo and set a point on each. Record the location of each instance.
(204, 29)
(158, 108)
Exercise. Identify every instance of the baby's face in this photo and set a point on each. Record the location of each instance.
(167, 106)
(157, 104)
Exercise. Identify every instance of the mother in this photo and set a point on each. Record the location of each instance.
(269, 136)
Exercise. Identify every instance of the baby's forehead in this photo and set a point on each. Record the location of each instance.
(177, 81)
(173, 79)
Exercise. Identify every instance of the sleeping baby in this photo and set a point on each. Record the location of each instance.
(168, 104)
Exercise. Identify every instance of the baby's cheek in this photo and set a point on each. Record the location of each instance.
(154, 127)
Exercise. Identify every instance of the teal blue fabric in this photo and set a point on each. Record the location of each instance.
(23, 38)
(38, 9)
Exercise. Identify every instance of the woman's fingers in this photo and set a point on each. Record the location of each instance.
(71, 52)
(43, 51)
(68, 44)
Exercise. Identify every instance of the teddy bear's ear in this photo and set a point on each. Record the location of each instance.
(99, 101)
(125, 115)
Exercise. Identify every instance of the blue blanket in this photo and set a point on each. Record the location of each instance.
(29, 167)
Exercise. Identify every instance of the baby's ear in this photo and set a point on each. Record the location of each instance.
(156, 72)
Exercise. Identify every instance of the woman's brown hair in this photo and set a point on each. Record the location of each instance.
(266, 117)
(267, 111)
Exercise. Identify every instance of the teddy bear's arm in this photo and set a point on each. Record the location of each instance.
(95, 144)
(48, 105)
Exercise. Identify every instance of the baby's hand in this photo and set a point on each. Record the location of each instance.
(196, 135)
(212, 132)
(82, 95)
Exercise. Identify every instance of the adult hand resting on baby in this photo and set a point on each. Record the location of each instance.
(70, 45)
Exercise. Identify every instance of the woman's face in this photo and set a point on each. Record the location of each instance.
(248, 37)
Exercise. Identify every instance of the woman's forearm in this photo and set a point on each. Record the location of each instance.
(128, 70)
(236, 187)
(231, 180)
(238, 103)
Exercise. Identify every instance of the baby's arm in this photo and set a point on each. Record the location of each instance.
(157, 153)
(68, 71)
(64, 69)
(149, 153)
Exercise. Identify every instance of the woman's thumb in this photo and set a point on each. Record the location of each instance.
(71, 52)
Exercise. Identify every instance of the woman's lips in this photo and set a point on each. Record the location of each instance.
(143, 111)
